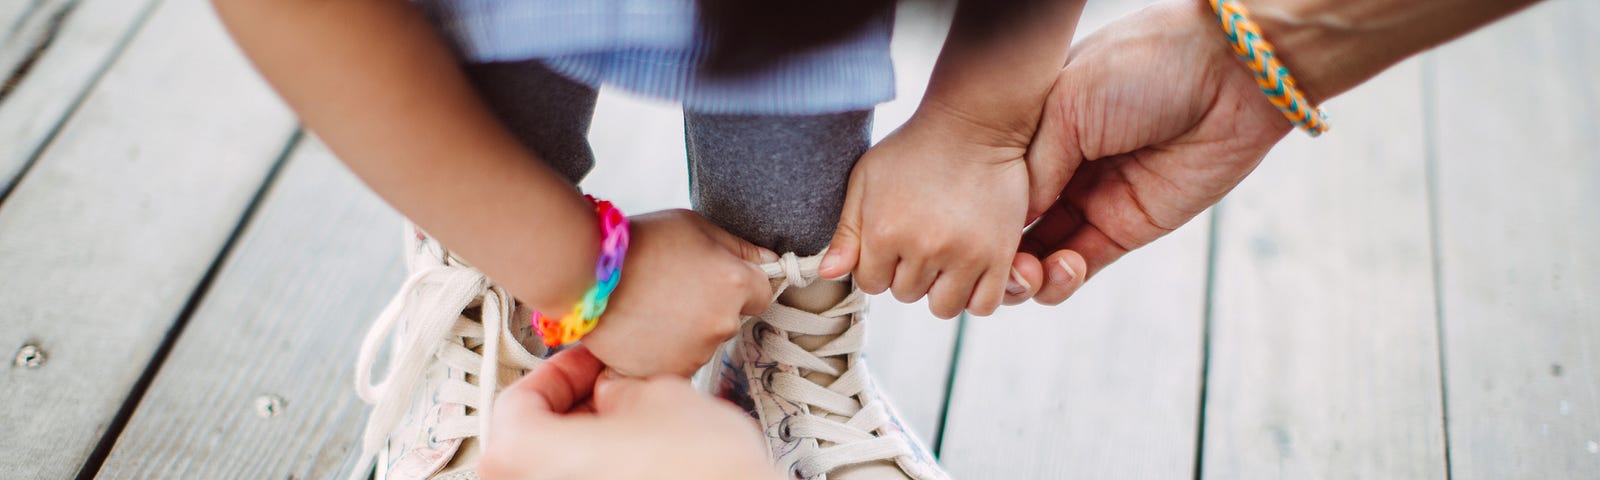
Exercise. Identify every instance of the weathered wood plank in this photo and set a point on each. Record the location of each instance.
(34, 102)
(11, 15)
(117, 223)
(1106, 385)
(1517, 184)
(25, 26)
(1324, 347)
(282, 320)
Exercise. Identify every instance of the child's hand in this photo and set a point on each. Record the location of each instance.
(685, 285)
(937, 209)
(567, 420)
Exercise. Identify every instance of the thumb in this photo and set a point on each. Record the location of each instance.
(845, 249)
(739, 247)
(1053, 156)
(615, 393)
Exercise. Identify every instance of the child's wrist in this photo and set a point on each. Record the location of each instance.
(971, 123)
(556, 279)
(560, 326)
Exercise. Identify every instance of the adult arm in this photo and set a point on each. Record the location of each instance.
(1153, 120)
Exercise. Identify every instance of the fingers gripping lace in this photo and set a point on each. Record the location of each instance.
(429, 310)
(854, 440)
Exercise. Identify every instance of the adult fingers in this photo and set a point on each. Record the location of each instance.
(845, 249)
(1054, 155)
(560, 383)
(1027, 276)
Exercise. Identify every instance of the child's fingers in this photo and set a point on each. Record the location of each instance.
(875, 273)
(745, 250)
(989, 291)
(845, 249)
(1027, 276)
(951, 293)
(912, 280)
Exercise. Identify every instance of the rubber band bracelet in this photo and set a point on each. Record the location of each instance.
(607, 273)
(1273, 78)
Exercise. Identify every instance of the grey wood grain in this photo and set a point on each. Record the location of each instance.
(283, 320)
(1324, 347)
(59, 71)
(25, 27)
(1518, 181)
(114, 227)
(1106, 385)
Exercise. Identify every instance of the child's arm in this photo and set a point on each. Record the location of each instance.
(938, 207)
(374, 81)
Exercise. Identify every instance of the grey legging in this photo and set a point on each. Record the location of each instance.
(775, 180)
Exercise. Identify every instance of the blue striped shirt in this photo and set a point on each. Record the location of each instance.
(653, 47)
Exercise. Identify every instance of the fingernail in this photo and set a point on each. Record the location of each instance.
(768, 256)
(1017, 285)
(1064, 273)
(829, 261)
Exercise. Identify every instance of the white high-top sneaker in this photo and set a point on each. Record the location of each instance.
(803, 378)
(457, 340)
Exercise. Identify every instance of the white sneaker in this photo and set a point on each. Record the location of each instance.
(450, 326)
(802, 376)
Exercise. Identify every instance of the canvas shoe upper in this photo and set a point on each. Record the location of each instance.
(451, 330)
(802, 376)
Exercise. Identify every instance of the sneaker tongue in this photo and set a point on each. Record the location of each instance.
(817, 298)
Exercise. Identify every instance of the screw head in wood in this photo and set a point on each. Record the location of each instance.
(268, 406)
(29, 356)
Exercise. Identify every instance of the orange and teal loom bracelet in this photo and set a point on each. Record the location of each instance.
(607, 272)
(1271, 75)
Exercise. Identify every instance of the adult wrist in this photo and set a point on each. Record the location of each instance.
(1320, 42)
(1333, 45)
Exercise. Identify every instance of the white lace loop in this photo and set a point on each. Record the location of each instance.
(428, 309)
(855, 440)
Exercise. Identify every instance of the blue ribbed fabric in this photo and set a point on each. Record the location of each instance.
(652, 47)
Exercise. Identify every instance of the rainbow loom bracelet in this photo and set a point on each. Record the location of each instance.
(607, 272)
(1271, 75)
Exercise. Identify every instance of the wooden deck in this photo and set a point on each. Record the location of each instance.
(185, 278)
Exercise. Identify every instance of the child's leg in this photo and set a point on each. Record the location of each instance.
(777, 181)
(548, 112)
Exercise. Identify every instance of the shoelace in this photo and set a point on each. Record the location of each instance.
(430, 305)
(853, 441)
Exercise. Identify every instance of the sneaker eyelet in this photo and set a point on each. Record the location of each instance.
(794, 472)
(760, 331)
(785, 432)
(766, 376)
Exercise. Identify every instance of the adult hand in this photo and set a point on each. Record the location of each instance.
(684, 287)
(565, 420)
(1152, 120)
